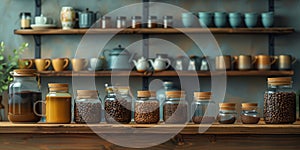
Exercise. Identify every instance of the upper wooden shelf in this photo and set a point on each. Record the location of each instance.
(277, 30)
(166, 73)
(39, 128)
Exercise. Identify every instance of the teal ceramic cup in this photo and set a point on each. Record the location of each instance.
(251, 19)
(205, 19)
(267, 19)
(187, 19)
(235, 19)
(220, 19)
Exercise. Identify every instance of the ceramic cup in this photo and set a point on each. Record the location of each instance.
(235, 19)
(205, 19)
(223, 62)
(267, 19)
(25, 63)
(60, 64)
(220, 19)
(264, 62)
(285, 62)
(96, 63)
(187, 19)
(79, 64)
(42, 64)
(40, 19)
(251, 19)
(244, 62)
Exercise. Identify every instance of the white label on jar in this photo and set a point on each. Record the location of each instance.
(133, 23)
(25, 23)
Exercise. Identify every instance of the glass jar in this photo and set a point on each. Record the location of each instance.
(203, 108)
(280, 101)
(87, 107)
(152, 22)
(25, 20)
(227, 113)
(136, 22)
(175, 108)
(117, 105)
(24, 91)
(249, 113)
(161, 96)
(167, 21)
(121, 22)
(146, 108)
(106, 22)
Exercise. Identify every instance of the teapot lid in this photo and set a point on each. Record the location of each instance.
(118, 50)
(87, 11)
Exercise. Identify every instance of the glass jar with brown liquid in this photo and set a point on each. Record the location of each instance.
(24, 91)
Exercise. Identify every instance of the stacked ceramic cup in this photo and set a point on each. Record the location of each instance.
(235, 19)
(205, 19)
(220, 19)
(251, 19)
(267, 19)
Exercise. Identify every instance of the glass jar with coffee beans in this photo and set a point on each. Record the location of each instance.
(227, 113)
(175, 108)
(280, 101)
(249, 113)
(117, 105)
(146, 108)
(203, 109)
(87, 107)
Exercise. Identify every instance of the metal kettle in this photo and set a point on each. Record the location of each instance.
(86, 18)
(118, 58)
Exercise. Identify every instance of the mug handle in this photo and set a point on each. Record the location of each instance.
(48, 63)
(86, 63)
(34, 106)
(30, 63)
(274, 59)
(254, 59)
(168, 61)
(45, 20)
(294, 60)
(235, 59)
(66, 63)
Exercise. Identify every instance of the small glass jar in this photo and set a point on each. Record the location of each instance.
(106, 22)
(136, 22)
(227, 113)
(152, 22)
(280, 101)
(121, 22)
(146, 108)
(24, 91)
(25, 20)
(203, 108)
(87, 107)
(249, 113)
(175, 108)
(167, 21)
(117, 105)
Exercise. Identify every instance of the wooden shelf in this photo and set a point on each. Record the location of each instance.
(165, 73)
(39, 128)
(277, 30)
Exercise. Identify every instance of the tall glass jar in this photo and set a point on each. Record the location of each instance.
(203, 108)
(249, 113)
(25, 20)
(121, 22)
(146, 108)
(24, 91)
(175, 108)
(87, 107)
(106, 22)
(227, 113)
(136, 22)
(152, 22)
(167, 21)
(117, 105)
(280, 101)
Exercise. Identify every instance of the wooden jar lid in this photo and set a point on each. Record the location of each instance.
(175, 94)
(202, 95)
(280, 81)
(143, 94)
(87, 93)
(54, 87)
(227, 104)
(24, 73)
(153, 93)
(249, 106)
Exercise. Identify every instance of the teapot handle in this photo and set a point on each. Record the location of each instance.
(168, 61)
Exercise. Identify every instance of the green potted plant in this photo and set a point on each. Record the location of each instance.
(6, 66)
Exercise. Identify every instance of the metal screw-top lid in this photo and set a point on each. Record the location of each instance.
(167, 17)
(136, 17)
(121, 17)
(24, 73)
(280, 81)
(152, 17)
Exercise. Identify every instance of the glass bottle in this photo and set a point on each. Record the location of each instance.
(24, 91)
(152, 22)
(203, 108)
(136, 22)
(146, 108)
(227, 113)
(117, 105)
(121, 22)
(249, 113)
(167, 21)
(25, 20)
(106, 22)
(175, 108)
(280, 101)
(87, 107)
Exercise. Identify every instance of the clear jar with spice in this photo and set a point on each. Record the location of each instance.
(175, 108)
(249, 113)
(24, 91)
(152, 22)
(106, 22)
(117, 105)
(87, 107)
(167, 21)
(280, 101)
(25, 20)
(146, 108)
(227, 113)
(121, 22)
(136, 22)
(203, 108)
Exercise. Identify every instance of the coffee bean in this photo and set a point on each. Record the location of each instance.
(87, 112)
(146, 112)
(203, 119)
(175, 113)
(249, 119)
(228, 120)
(118, 111)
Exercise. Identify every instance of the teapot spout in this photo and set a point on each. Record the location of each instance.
(131, 57)
(151, 62)
(134, 62)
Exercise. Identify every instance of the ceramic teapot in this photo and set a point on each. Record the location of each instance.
(118, 58)
(141, 64)
(160, 64)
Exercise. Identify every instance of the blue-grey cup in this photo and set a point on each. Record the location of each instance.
(205, 19)
(251, 19)
(235, 19)
(187, 19)
(267, 19)
(220, 19)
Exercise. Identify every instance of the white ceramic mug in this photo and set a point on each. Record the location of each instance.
(40, 19)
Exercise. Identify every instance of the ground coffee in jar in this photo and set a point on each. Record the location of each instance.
(249, 113)
(203, 108)
(227, 113)
(146, 108)
(175, 108)
(280, 101)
